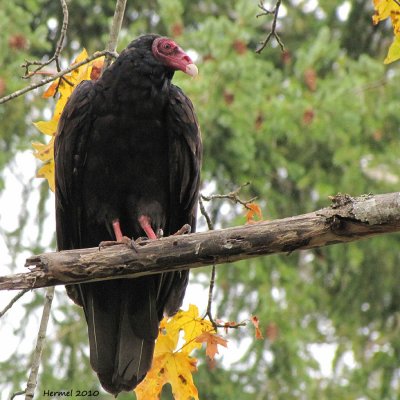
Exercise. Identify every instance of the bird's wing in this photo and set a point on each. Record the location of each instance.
(185, 154)
(69, 153)
(118, 353)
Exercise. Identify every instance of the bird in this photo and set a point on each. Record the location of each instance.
(128, 154)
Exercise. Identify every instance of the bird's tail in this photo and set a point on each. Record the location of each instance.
(123, 324)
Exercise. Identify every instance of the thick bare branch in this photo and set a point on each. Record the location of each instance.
(348, 219)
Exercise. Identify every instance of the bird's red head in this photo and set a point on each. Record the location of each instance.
(170, 54)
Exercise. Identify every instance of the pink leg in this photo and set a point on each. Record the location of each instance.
(119, 237)
(117, 230)
(144, 222)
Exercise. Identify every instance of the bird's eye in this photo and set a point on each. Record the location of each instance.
(168, 47)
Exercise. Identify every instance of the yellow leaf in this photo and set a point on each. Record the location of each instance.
(169, 367)
(394, 51)
(47, 127)
(47, 172)
(395, 17)
(65, 94)
(44, 152)
(192, 324)
(74, 77)
(81, 56)
(383, 9)
(166, 341)
(172, 362)
(82, 73)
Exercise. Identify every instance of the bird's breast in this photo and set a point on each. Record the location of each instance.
(127, 165)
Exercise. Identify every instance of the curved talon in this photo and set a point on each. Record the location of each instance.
(185, 229)
(141, 239)
(123, 240)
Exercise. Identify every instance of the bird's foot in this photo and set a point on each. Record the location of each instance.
(182, 231)
(120, 238)
(123, 240)
(141, 239)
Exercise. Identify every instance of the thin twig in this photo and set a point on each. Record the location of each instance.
(233, 196)
(273, 32)
(13, 301)
(14, 395)
(37, 355)
(210, 225)
(64, 28)
(43, 82)
(203, 211)
(212, 278)
(114, 31)
(397, 2)
(210, 299)
(57, 52)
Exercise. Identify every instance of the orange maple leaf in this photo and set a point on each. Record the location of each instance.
(253, 210)
(212, 341)
(255, 321)
(227, 325)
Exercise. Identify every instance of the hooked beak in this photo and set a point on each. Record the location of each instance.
(181, 61)
(192, 70)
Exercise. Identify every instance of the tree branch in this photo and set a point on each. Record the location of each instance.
(213, 270)
(57, 52)
(232, 196)
(348, 219)
(13, 301)
(43, 82)
(114, 31)
(19, 393)
(37, 355)
(273, 32)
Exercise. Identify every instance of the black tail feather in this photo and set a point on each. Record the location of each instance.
(122, 325)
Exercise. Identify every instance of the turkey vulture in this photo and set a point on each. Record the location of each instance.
(127, 164)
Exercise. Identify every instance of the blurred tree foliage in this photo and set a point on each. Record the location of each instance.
(321, 118)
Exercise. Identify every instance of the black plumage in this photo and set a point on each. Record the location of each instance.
(128, 150)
